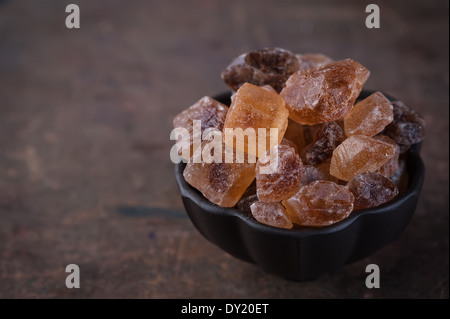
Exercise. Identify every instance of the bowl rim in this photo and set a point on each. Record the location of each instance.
(414, 185)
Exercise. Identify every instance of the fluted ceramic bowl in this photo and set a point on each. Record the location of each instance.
(308, 253)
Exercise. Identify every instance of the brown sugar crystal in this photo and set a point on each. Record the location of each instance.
(371, 190)
(320, 203)
(268, 88)
(312, 60)
(327, 138)
(359, 154)
(255, 108)
(287, 142)
(318, 172)
(271, 66)
(273, 214)
(295, 134)
(209, 112)
(407, 128)
(369, 116)
(311, 174)
(284, 181)
(391, 166)
(325, 93)
(221, 183)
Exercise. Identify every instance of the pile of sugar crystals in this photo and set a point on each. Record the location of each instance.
(335, 154)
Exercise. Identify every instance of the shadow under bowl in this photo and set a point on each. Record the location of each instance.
(304, 254)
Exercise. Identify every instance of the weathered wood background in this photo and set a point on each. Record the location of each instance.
(85, 116)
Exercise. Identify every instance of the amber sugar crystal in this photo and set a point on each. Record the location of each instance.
(391, 166)
(221, 183)
(209, 112)
(359, 154)
(256, 108)
(273, 214)
(295, 134)
(325, 93)
(320, 203)
(369, 116)
(312, 60)
(284, 181)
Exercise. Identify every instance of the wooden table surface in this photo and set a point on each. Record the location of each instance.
(85, 117)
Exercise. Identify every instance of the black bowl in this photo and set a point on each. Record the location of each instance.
(304, 254)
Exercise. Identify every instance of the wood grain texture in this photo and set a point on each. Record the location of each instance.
(85, 117)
